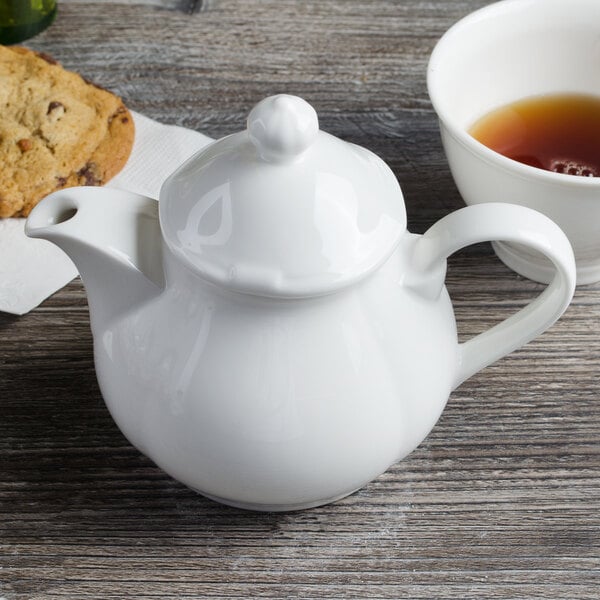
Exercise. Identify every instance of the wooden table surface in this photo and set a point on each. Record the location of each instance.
(502, 500)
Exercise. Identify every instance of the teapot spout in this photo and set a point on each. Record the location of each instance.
(114, 239)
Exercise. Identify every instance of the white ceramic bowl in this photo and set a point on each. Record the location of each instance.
(499, 54)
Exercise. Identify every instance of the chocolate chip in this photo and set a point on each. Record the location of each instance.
(61, 181)
(54, 105)
(124, 120)
(121, 110)
(24, 144)
(89, 175)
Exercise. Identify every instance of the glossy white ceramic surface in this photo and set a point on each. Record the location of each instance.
(275, 402)
(502, 53)
(282, 208)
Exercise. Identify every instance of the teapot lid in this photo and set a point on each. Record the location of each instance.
(282, 208)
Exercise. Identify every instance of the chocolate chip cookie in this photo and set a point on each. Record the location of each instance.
(56, 130)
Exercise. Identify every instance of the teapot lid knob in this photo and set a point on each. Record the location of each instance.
(282, 127)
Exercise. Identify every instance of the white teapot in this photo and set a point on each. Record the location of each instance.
(270, 334)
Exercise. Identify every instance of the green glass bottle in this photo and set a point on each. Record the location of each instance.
(22, 19)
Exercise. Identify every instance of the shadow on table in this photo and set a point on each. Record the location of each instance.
(67, 471)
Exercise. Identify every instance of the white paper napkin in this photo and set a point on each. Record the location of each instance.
(31, 270)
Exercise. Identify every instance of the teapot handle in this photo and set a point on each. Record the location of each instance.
(509, 223)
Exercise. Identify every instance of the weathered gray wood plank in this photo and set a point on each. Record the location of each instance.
(503, 498)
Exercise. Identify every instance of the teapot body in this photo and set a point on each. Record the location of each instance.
(297, 340)
(278, 404)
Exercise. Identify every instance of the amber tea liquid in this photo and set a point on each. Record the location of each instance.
(559, 133)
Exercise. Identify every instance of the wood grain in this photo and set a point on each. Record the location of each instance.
(502, 501)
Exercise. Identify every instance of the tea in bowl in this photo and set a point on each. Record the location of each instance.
(516, 88)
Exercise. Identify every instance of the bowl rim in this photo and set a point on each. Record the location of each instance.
(461, 134)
